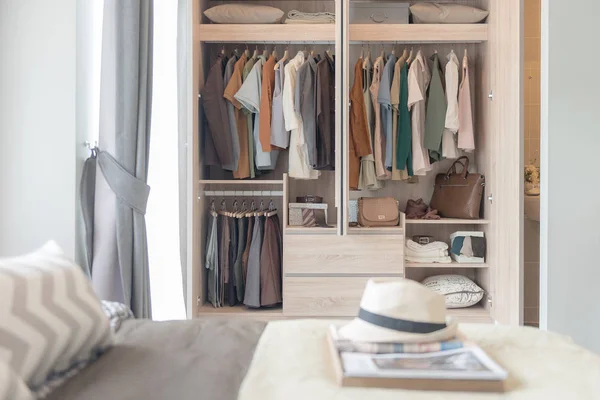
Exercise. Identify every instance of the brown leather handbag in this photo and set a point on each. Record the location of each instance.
(378, 211)
(458, 195)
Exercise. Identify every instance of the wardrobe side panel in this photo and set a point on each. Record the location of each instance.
(345, 190)
(507, 48)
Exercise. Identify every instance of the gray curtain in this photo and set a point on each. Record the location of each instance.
(119, 248)
(183, 36)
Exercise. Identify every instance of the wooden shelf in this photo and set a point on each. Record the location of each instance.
(208, 310)
(419, 33)
(384, 230)
(222, 33)
(474, 314)
(240, 182)
(448, 221)
(438, 265)
(303, 230)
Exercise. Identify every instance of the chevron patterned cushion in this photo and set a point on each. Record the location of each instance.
(50, 317)
(11, 386)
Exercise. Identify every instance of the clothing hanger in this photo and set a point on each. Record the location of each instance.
(274, 52)
(272, 210)
(255, 52)
(283, 59)
(410, 57)
(223, 210)
(247, 52)
(223, 50)
(305, 51)
(362, 50)
(329, 53)
(236, 52)
(213, 211)
(382, 55)
(393, 50)
(313, 54)
(252, 209)
(265, 52)
(466, 60)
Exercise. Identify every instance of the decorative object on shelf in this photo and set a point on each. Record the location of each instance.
(422, 239)
(309, 199)
(459, 291)
(243, 14)
(436, 13)
(378, 211)
(431, 253)
(468, 247)
(299, 17)
(297, 215)
(458, 195)
(369, 12)
(532, 180)
(417, 209)
(353, 211)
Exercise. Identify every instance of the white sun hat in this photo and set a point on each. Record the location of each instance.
(402, 311)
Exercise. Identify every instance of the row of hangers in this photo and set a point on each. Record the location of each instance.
(367, 56)
(265, 53)
(244, 211)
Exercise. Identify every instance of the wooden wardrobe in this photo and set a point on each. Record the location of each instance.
(325, 269)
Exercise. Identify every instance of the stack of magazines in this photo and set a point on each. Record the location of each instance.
(454, 365)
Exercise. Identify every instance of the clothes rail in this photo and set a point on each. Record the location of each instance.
(243, 193)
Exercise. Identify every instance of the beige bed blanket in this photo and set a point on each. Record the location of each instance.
(291, 362)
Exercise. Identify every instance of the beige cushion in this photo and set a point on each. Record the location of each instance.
(459, 291)
(436, 13)
(244, 14)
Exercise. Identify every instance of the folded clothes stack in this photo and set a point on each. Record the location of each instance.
(298, 17)
(434, 252)
(468, 247)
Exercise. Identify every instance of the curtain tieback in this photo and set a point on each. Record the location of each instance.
(130, 190)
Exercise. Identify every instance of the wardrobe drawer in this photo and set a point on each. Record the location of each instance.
(352, 254)
(324, 296)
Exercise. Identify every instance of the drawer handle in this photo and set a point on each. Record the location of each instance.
(379, 17)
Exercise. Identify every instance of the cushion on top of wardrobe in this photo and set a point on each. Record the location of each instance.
(458, 290)
(244, 14)
(49, 315)
(436, 13)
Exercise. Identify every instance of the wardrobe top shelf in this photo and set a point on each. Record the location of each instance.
(397, 33)
(448, 221)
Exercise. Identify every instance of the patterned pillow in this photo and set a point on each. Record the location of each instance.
(11, 387)
(50, 318)
(459, 291)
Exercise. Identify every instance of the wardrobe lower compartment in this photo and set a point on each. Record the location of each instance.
(324, 296)
(353, 254)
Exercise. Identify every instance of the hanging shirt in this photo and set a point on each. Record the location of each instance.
(360, 142)
(384, 100)
(436, 111)
(266, 104)
(249, 96)
(240, 120)
(368, 177)
(215, 111)
(397, 174)
(418, 82)
(305, 105)
(449, 149)
(249, 120)
(466, 133)
(325, 87)
(299, 167)
(235, 142)
(379, 150)
(404, 144)
(280, 137)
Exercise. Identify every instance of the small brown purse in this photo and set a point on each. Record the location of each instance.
(458, 195)
(378, 211)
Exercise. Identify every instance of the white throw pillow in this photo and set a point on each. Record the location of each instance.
(50, 318)
(459, 291)
(11, 387)
(445, 13)
(244, 14)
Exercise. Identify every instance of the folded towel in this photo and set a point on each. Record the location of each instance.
(433, 253)
(429, 260)
(420, 248)
(298, 17)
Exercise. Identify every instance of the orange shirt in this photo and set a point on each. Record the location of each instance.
(266, 102)
(241, 121)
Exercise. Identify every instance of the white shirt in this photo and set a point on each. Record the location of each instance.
(449, 149)
(419, 78)
(299, 167)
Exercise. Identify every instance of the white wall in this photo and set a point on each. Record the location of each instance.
(570, 227)
(37, 124)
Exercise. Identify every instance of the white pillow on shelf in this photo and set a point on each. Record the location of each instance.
(244, 14)
(459, 291)
(445, 13)
(50, 316)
